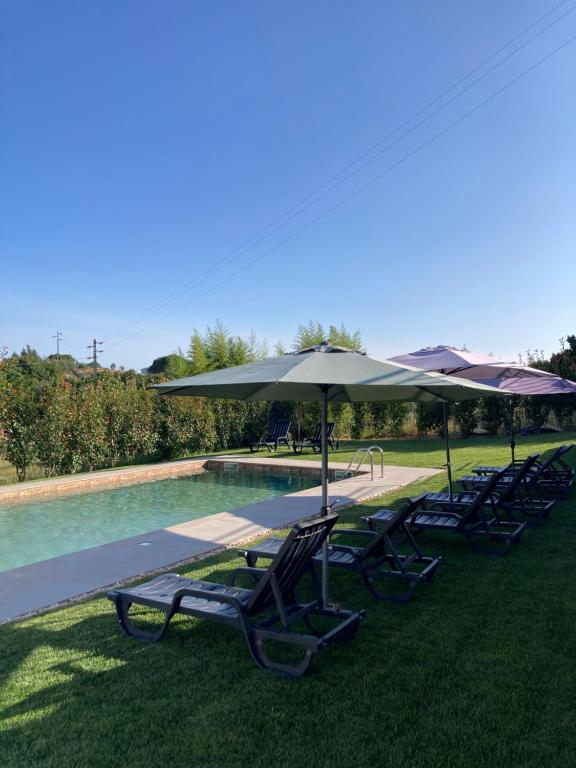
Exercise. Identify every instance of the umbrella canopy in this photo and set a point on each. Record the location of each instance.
(513, 377)
(446, 359)
(349, 377)
(489, 370)
(325, 373)
(518, 379)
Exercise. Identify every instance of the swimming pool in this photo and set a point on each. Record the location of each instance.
(38, 530)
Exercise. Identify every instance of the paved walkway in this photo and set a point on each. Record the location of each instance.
(61, 579)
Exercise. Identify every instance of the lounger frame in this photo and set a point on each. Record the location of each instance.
(473, 515)
(378, 562)
(267, 612)
(315, 441)
(278, 433)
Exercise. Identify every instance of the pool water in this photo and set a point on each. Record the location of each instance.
(38, 530)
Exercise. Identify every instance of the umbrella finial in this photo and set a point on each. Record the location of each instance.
(326, 346)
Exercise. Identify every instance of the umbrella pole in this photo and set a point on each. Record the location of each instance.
(447, 441)
(325, 510)
(512, 436)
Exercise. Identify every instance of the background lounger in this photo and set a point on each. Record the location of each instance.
(278, 433)
(315, 441)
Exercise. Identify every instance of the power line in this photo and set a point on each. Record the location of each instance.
(350, 170)
(364, 186)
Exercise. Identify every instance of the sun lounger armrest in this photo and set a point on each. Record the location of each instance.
(352, 532)
(206, 594)
(346, 550)
(255, 573)
(443, 513)
(455, 502)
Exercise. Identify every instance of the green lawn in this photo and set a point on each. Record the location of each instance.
(478, 670)
(427, 452)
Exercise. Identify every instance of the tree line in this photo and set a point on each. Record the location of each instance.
(55, 415)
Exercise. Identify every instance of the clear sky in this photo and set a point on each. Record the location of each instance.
(143, 142)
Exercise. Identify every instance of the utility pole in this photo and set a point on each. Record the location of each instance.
(58, 338)
(94, 355)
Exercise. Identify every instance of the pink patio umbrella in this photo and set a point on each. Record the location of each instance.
(488, 370)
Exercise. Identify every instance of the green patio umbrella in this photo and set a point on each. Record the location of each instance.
(325, 374)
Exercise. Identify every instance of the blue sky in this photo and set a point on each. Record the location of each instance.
(143, 142)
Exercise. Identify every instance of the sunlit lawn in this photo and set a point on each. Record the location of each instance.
(479, 670)
(427, 452)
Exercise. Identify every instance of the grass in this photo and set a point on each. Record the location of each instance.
(478, 670)
(428, 452)
(8, 473)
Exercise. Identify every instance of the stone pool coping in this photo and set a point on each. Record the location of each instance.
(106, 478)
(56, 582)
(112, 478)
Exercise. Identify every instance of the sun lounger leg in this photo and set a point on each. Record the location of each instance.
(123, 604)
(255, 639)
(403, 596)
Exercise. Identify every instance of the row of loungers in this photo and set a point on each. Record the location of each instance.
(386, 556)
(279, 434)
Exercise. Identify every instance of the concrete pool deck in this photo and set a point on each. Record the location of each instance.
(69, 577)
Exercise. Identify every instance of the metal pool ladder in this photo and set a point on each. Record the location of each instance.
(360, 457)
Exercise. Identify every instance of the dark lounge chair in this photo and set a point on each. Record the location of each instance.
(515, 490)
(315, 441)
(552, 475)
(475, 515)
(278, 433)
(472, 484)
(378, 561)
(267, 612)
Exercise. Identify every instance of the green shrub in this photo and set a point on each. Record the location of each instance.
(19, 425)
(536, 410)
(430, 418)
(359, 411)
(492, 413)
(466, 416)
(185, 425)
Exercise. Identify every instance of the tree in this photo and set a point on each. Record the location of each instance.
(430, 418)
(172, 366)
(563, 363)
(397, 413)
(216, 346)
(89, 433)
(536, 409)
(53, 448)
(313, 333)
(492, 412)
(359, 411)
(279, 349)
(308, 335)
(379, 415)
(63, 363)
(197, 354)
(466, 416)
(18, 423)
(185, 425)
